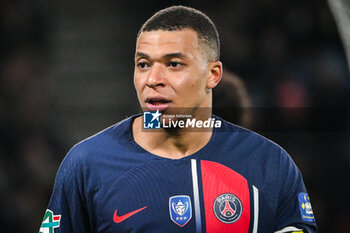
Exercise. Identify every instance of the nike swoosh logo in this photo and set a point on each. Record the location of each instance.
(119, 219)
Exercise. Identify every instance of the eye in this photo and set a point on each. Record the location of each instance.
(142, 65)
(175, 64)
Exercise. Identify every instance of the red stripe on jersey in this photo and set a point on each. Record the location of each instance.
(56, 218)
(218, 179)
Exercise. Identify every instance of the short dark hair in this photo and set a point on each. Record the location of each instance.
(181, 17)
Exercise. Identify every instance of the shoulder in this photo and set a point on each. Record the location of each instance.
(102, 142)
(239, 135)
(253, 147)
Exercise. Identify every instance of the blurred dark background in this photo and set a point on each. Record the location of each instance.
(66, 71)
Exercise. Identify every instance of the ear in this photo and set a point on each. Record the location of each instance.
(215, 69)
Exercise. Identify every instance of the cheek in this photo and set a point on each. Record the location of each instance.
(184, 86)
(190, 89)
(138, 86)
(196, 83)
(138, 81)
(191, 80)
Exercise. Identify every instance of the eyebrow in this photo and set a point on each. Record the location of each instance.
(140, 54)
(169, 55)
(172, 55)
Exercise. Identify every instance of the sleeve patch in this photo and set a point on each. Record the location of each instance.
(290, 229)
(50, 222)
(305, 207)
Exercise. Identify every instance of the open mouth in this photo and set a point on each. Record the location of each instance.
(157, 103)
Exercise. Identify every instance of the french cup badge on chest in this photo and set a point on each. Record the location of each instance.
(180, 209)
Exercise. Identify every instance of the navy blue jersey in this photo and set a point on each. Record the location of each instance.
(239, 182)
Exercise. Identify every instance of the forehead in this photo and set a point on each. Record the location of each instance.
(158, 42)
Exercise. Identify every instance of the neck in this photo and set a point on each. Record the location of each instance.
(175, 143)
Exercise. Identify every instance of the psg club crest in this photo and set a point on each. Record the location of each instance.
(227, 208)
(180, 209)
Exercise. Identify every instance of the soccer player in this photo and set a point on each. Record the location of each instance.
(220, 179)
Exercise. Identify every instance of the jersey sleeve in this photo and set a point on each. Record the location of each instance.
(294, 212)
(66, 211)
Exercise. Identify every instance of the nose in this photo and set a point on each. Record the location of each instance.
(156, 76)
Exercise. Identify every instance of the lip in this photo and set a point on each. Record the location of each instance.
(157, 103)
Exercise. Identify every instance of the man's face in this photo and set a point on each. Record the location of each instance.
(171, 70)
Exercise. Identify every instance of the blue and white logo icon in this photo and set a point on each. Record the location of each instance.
(305, 207)
(151, 120)
(180, 209)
